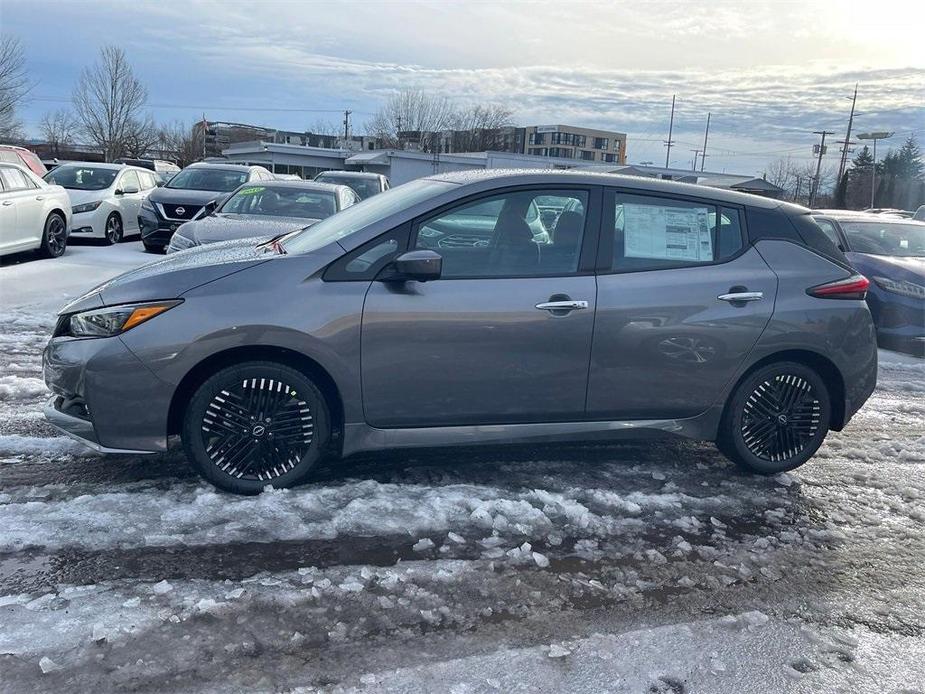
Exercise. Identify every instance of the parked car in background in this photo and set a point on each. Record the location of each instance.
(184, 196)
(33, 214)
(12, 154)
(889, 251)
(364, 184)
(894, 211)
(264, 209)
(659, 309)
(105, 198)
(164, 169)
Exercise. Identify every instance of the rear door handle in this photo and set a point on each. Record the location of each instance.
(562, 305)
(7, 203)
(741, 296)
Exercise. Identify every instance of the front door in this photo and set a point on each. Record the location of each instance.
(130, 202)
(679, 309)
(504, 335)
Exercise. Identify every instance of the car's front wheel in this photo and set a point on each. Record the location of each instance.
(256, 424)
(113, 232)
(776, 419)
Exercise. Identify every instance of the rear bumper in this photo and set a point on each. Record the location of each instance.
(911, 341)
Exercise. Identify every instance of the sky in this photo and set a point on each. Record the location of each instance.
(770, 72)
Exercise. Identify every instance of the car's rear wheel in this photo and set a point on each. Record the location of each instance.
(54, 236)
(152, 248)
(776, 419)
(256, 424)
(113, 229)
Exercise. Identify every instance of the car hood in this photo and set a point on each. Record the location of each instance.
(223, 227)
(78, 197)
(893, 267)
(174, 275)
(181, 196)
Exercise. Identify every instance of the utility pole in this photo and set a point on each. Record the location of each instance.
(815, 186)
(669, 141)
(398, 131)
(696, 153)
(706, 134)
(844, 151)
(347, 126)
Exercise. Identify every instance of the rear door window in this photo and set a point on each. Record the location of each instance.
(653, 233)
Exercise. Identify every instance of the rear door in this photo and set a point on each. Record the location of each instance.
(8, 223)
(27, 199)
(504, 335)
(680, 304)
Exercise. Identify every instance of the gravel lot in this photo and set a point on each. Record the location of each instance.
(637, 567)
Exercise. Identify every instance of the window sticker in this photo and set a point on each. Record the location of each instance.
(667, 233)
(251, 191)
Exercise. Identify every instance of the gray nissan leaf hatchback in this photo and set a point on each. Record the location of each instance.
(489, 307)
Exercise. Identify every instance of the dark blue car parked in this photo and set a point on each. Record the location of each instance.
(890, 252)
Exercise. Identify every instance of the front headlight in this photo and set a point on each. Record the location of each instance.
(86, 207)
(114, 320)
(903, 287)
(178, 242)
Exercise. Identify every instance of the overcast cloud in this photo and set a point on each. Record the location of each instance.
(770, 73)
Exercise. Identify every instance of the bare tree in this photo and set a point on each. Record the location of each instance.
(324, 127)
(141, 135)
(479, 128)
(108, 101)
(59, 129)
(411, 116)
(177, 142)
(14, 85)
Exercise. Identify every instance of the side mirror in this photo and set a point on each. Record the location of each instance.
(128, 190)
(419, 266)
(209, 208)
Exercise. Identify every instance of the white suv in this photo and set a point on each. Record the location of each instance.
(33, 214)
(105, 198)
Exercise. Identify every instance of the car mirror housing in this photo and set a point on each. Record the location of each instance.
(128, 190)
(209, 208)
(418, 266)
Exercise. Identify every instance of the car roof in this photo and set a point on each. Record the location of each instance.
(101, 165)
(515, 177)
(225, 167)
(856, 216)
(305, 185)
(351, 174)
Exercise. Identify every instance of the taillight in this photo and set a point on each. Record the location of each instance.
(854, 287)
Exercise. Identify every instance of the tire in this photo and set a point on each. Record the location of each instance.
(54, 236)
(776, 419)
(152, 248)
(114, 229)
(230, 436)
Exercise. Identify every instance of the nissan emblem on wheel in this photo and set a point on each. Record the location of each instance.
(472, 308)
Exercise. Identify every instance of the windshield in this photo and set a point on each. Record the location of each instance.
(220, 180)
(363, 214)
(364, 187)
(281, 201)
(82, 177)
(903, 240)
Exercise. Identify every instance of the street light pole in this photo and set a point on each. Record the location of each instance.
(873, 174)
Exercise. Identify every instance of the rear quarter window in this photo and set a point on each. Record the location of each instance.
(815, 238)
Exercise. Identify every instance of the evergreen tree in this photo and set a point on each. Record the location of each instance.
(910, 159)
(863, 160)
(841, 192)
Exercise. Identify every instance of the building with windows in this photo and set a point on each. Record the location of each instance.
(214, 136)
(571, 142)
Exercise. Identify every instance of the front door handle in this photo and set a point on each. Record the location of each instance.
(734, 297)
(562, 305)
(39, 197)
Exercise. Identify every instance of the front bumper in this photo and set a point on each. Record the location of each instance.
(87, 224)
(78, 427)
(105, 396)
(156, 231)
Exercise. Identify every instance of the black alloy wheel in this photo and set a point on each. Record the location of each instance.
(776, 419)
(54, 237)
(254, 425)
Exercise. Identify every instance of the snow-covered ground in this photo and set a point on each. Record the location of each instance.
(637, 567)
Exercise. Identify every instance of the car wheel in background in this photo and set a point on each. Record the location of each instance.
(776, 419)
(113, 228)
(152, 248)
(54, 236)
(256, 424)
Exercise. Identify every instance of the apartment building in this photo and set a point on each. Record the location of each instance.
(571, 142)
